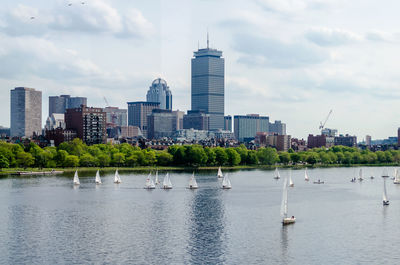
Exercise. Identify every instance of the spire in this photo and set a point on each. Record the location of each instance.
(208, 40)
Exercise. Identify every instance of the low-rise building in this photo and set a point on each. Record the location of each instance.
(346, 140)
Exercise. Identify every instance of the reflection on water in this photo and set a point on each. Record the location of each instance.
(206, 227)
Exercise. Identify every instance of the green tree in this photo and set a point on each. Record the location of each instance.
(295, 158)
(284, 158)
(178, 153)
(103, 160)
(211, 156)
(312, 158)
(252, 158)
(71, 161)
(267, 156)
(118, 159)
(195, 155)
(164, 158)
(233, 157)
(87, 160)
(60, 157)
(220, 156)
(25, 160)
(4, 163)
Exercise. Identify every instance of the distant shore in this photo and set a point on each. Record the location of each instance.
(13, 171)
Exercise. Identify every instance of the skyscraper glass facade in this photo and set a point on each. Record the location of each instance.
(208, 75)
(159, 92)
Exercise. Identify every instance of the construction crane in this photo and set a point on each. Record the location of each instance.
(322, 125)
(105, 100)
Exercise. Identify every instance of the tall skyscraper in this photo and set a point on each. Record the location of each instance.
(208, 75)
(159, 92)
(58, 104)
(26, 112)
(138, 112)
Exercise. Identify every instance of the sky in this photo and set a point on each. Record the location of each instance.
(291, 60)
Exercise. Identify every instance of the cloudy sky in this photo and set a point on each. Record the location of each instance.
(292, 60)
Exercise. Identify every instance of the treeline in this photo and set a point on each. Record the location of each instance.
(76, 153)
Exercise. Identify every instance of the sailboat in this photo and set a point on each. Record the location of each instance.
(385, 200)
(76, 178)
(277, 175)
(226, 183)
(396, 177)
(284, 206)
(167, 182)
(385, 173)
(98, 179)
(394, 173)
(306, 178)
(149, 183)
(360, 177)
(219, 174)
(157, 181)
(193, 183)
(291, 184)
(117, 178)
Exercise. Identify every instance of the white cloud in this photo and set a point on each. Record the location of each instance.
(93, 17)
(331, 37)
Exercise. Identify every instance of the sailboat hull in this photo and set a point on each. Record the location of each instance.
(226, 187)
(288, 221)
(385, 202)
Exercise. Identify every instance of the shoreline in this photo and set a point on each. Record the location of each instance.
(14, 171)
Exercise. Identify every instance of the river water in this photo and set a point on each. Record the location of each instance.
(46, 220)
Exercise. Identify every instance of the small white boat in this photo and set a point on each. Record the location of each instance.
(319, 182)
(284, 206)
(291, 184)
(396, 177)
(306, 178)
(385, 200)
(360, 177)
(219, 174)
(277, 175)
(157, 181)
(98, 179)
(193, 183)
(167, 182)
(226, 183)
(149, 183)
(117, 178)
(76, 178)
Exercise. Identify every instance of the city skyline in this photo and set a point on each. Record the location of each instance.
(278, 62)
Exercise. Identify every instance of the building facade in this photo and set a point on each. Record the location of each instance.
(208, 85)
(329, 132)
(163, 123)
(196, 119)
(26, 112)
(159, 92)
(138, 112)
(320, 141)
(228, 123)
(277, 128)
(89, 124)
(246, 127)
(116, 116)
(59, 104)
(56, 120)
(368, 140)
(346, 140)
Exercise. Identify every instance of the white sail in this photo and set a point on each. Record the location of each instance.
(149, 182)
(219, 174)
(167, 182)
(284, 205)
(76, 178)
(385, 173)
(117, 178)
(396, 177)
(157, 181)
(193, 182)
(277, 175)
(226, 183)
(98, 179)
(306, 178)
(385, 199)
(291, 184)
(360, 177)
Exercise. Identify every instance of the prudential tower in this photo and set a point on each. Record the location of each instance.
(208, 85)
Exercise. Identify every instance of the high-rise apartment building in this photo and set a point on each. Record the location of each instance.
(26, 112)
(163, 123)
(246, 127)
(159, 92)
(196, 119)
(59, 104)
(208, 75)
(138, 112)
(368, 140)
(277, 128)
(89, 124)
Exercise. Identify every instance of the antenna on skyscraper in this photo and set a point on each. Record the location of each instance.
(208, 40)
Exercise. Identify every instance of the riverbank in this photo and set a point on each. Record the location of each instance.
(14, 171)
